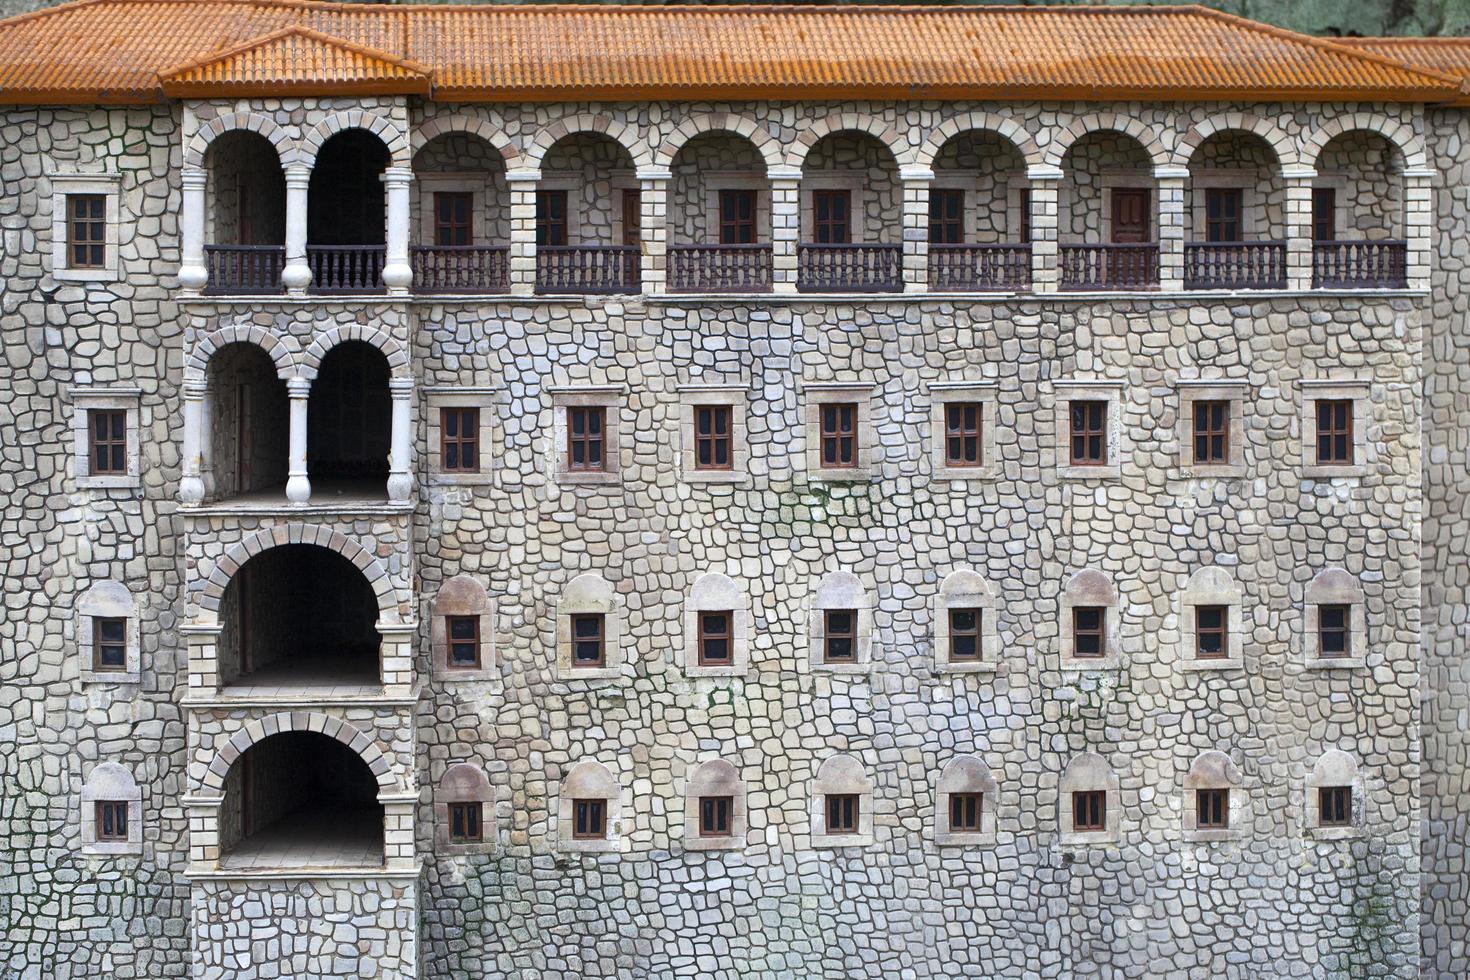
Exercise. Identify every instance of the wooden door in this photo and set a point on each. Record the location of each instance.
(1130, 215)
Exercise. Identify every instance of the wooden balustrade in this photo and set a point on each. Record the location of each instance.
(345, 269)
(1360, 265)
(979, 267)
(244, 269)
(719, 268)
(1110, 266)
(849, 268)
(460, 268)
(1235, 265)
(587, 268)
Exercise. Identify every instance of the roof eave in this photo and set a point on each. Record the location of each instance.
(267, 90)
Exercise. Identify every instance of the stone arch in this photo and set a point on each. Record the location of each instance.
(718, 122)
(197, 363)
(621, 133)
(472, 125)
(1409, 143)
(1334, 585)
(253, 122)
(1240, 122)
(239, 553)
(300, 721)
(311, 358)
(855, 122)
(1098, 122)
(383, 129)
(1002, 126)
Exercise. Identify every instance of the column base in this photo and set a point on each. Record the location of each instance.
(191, 490)
(298, 489)
(400, 486)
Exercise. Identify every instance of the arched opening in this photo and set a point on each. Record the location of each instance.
(246, 216)
(979, 215)
(1107, 204)
(298, 800)
(349, 422)
(719, 216)
(299, 615)
(589, 217)
(1235, 215)
(462, 206)
(346, 214)
(1358, 221)
(249, 423)
(851, 216)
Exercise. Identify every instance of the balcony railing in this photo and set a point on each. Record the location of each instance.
(1112, 266)
(1235, 265)
(979, 267)
(849, 268)
(242, 269)
(346, 269)
(719, 268)
(587, 268)
(1360, 265)
(460, 268)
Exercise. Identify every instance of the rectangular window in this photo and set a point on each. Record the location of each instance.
(463, 633)
(1324, 214)
(1335, 806)
(962, 422)
(714, 815)
(712, 450)
(86, 231)
(588, 648)
(1212, 432)
(831, 217)
(1089, 624)
(109, 437)
(715, 638)
(737, 217)
(839, 645)
(465, 822)
(109, 643)
(585, 432)
(551, 217)
(459, 440)
(1223, 207)
(964, 635)
(1090, 810)
(1333, 628)
(1212, 809)
(842, 813)
(112, 821)
(964, 812)
(1211, 632)
(838, 425)
(589, 819)
(1089, 433)
(632, 216)
(454, 218)
(1025, 216)
(946, 217)
(1335, 431)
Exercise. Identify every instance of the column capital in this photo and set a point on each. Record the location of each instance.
(913, 173)
(783, 172)
(1419, 173)
(1171, 171)
(193, 177)
(654, 173)
(523, 175)
(400, 387)
(1298, 172)
(194, 389)
(298, 173)
(1043, 171)
(397, 175)
(298, 387)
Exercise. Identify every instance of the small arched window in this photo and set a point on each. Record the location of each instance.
(966, 624)
(842, 804)
(107, 635)
(841, 626)
(1336, 804)
(464, 810)
(714, 808)
(589, 629)
(1210, 617)
(589, 810)
(1336, 621)
(1088, 803)
(965, 804)
(112, 812)
(463, 631)
(716, 627)
(1090, 614)
(1214, 802)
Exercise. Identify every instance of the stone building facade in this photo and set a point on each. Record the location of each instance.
(656, 537)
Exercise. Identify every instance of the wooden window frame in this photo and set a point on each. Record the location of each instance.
(586, 441)
(946, 216)
(93, 243)
(1212, 808)
(976, 634)
(833, 436)
(848, 808)
(1335, 806)
(113, 444)
(578, 663)
(448, 228)
(1211, 424)
(971, 822)
(452, 642)
(631, 214)
(728, 636)
(1203, 632)
(734, 227)
(468, 436)
(959, 433)
(1217, 222)
(466, 822)
(710, 808)
(589, 818)
(1335, 430)
(1324, 226)
(1101, 632)
(552, 230)
(99, 644)
(850, 635)
(1087, 435)
(831, 230)
(1087, 804)
(1345, 629)
(714, 439)
(107, 814)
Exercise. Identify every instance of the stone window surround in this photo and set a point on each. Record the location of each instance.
(854, 181)
(1088, 772)
(1341, 211)
(1334, 768)
(960, 589)
(590, 780)
(715, 777)
(465, 782)
(463, 595)
(1213, 769)
(477, 185)
(1090, 587)
(1069, 390)
(819, 393)
(460, 397)
(590, 593)
(841, 590)
(113, 600)
(1015, 187)
(84, 400)
(1115, 178)
(736, 180)
(608, 397)
(942, 393)
(715, 591)
(1330, 587)
(110, 782)
(63, 185)
(734, 396)
(965, 774)
(1252, 208)
(841, 774)
(1328, 389)
(1200, 389)
(1211, 585)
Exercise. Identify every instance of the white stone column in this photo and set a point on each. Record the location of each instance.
(916, 181)
(522, 184)
(191, 482)
(296, 276)
(1419, 223)
(397, 273)
(298, 486)
(785, 225)
(653, 196)
(1044, 180)
(1170, 180)
(400, 475)
(206, 442)
(1298, 182)
(193, 273)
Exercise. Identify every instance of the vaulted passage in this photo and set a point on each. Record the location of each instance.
(346, 202)
(349, 421)
(249, 422)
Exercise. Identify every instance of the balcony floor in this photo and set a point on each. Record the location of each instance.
(327, 678)
(313, 837)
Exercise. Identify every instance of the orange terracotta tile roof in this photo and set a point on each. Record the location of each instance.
(117, 51)
(1447, 55)
(295, 61)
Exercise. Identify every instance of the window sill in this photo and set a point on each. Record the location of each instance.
(445, 848)
(1334, 833)
(610, 845)
(964, 840)
(460, 479)
(114, 678)
(1071, 665)
(849, 670)
(1088, 838)
(714, 673)
(85, 275)
(1234, 471)
(698, 477)
(568, 674)
(858, 475)
(1339, 663)
(1112, 471)
(1213, 836)
(982, 667)
(694, 842)
(570, 478)
(832, 841)
(113, 848)
(1334, 472)
(1206, 666)
(129, 482)
(449, 675)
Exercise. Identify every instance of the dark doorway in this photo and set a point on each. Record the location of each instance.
(346, 199)
(1130, 215)
(349, 421)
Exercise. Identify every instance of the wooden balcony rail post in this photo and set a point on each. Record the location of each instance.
(1045, 269)
(522, 265)
(785, 226)
(1418, 224)
(1171, 179)
(193, 275)
(653, 183)
(1298, 182)
(397, 273)
(297, 274)
(916, 181)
